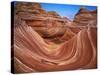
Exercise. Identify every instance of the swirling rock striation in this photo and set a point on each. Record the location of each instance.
(45, 41)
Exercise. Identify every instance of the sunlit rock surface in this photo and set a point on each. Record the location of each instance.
(85, 17)
(45, 41)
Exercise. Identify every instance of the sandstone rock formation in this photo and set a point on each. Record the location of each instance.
(45, 41)
(85, 17)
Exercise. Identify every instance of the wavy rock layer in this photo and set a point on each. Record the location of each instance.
(51, 43)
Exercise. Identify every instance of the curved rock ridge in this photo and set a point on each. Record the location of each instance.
(45, 41)
(33, 54)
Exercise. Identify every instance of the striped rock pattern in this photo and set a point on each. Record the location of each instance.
(51, 43)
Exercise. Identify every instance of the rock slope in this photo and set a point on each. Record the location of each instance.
(45, 41)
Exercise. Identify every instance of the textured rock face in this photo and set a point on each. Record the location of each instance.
(85, 17)
(43, 22)
(45, 41)
(53, 14)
